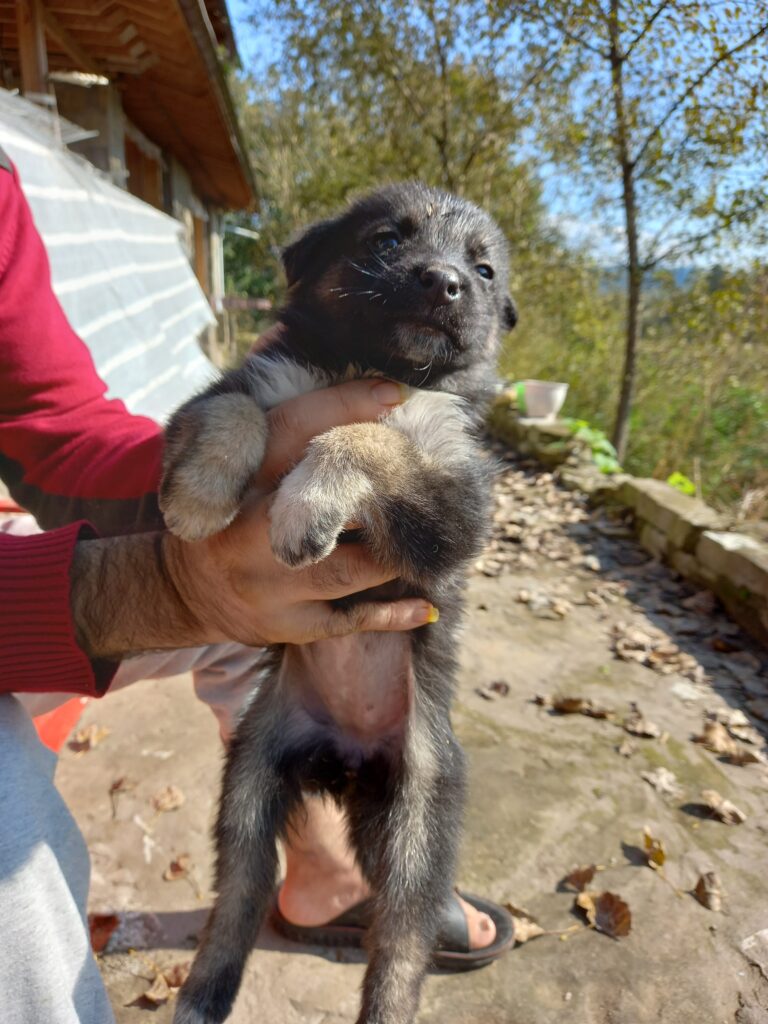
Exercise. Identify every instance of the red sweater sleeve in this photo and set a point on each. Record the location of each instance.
(66, 451)
(38, 652)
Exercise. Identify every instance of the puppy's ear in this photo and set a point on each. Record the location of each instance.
(509, 315)
(300, 256)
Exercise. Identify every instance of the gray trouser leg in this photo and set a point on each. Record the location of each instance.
(47, 972)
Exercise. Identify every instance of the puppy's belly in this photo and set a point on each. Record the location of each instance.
(361, 685)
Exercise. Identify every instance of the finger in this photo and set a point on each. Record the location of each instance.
(349, 569)
(377, 617)
(294, 423)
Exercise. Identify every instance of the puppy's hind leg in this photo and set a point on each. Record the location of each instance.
(407, 849)
(254, 809)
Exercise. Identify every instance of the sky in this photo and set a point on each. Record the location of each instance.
(569, 209)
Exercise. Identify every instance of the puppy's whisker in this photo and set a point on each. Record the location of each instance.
(363, 270)
(428, 367)
(353, 291)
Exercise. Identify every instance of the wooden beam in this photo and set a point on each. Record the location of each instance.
(33, 56)
(83, 61)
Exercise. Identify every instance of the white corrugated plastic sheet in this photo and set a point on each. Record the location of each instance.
(118, 268)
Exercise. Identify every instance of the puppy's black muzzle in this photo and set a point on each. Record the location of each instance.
(441, 284)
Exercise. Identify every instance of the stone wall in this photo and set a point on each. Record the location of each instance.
(700, 543)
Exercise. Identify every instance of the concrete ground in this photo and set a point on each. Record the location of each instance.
(549, 792)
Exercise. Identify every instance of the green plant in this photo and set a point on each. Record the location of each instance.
(681, 483)
(603, 452)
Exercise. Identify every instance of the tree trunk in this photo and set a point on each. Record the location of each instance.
(634, 270)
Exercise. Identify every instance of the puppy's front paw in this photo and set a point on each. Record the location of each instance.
(311, 508)
(214, 446)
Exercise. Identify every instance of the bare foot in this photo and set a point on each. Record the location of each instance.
(322, 879)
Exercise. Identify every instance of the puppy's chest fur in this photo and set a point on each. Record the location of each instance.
(439, 422)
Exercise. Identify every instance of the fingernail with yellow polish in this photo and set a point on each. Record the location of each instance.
(433, 614)
(388, 392)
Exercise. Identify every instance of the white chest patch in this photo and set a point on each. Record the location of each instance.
(438, 423)
(273, 381)
(434, 420)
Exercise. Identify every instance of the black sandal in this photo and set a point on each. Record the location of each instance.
(452, 952)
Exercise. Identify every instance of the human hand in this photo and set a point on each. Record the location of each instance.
(259, 600)
(171, 593)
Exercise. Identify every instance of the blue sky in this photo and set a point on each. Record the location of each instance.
(568, 207)
(254, 46)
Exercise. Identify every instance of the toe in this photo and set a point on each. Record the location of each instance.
(482, 930)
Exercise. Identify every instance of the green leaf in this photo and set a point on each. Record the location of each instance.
(681, 483)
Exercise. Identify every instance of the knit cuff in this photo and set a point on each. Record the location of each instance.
(38, 650)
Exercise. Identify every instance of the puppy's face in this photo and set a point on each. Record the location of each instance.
(410, 281)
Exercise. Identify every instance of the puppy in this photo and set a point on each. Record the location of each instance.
(410, 283)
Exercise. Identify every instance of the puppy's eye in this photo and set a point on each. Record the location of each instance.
(384, 241)
(485, 270)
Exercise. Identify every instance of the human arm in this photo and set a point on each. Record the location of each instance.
(152, 591)
(66, 451)
(156, 591)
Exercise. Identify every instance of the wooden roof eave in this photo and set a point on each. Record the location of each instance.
(197, 19)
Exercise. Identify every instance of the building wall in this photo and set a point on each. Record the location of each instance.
(136, 164)
(97, 108)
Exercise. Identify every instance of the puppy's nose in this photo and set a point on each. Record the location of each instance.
(441, 284)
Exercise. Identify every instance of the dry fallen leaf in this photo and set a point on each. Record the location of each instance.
(101, 927)
(723, 644)
(638, 725)
(570, 705)
(168, 799)
(607, 912)
(708, 891)
(121, 785)
(663, 781)
(178, 868)
(722, 808)
(565, 705)
(88, 737)
(715, 737)
(743, 756)
(737, 724)
(159, 991)
(704, 602)
(653, 648)
(165, 983)
(746, 733)
(498, 688)
(178, 973)
(721, 732)
(654, 850)
(579, 879)
(526, 926)
(561, 607)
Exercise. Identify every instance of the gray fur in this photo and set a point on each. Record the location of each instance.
(418, 486)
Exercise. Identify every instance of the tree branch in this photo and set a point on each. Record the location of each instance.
(558, 26)
(691, 240)
(687, 93)
(534, 76)
(646, 27)
(442, 61)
